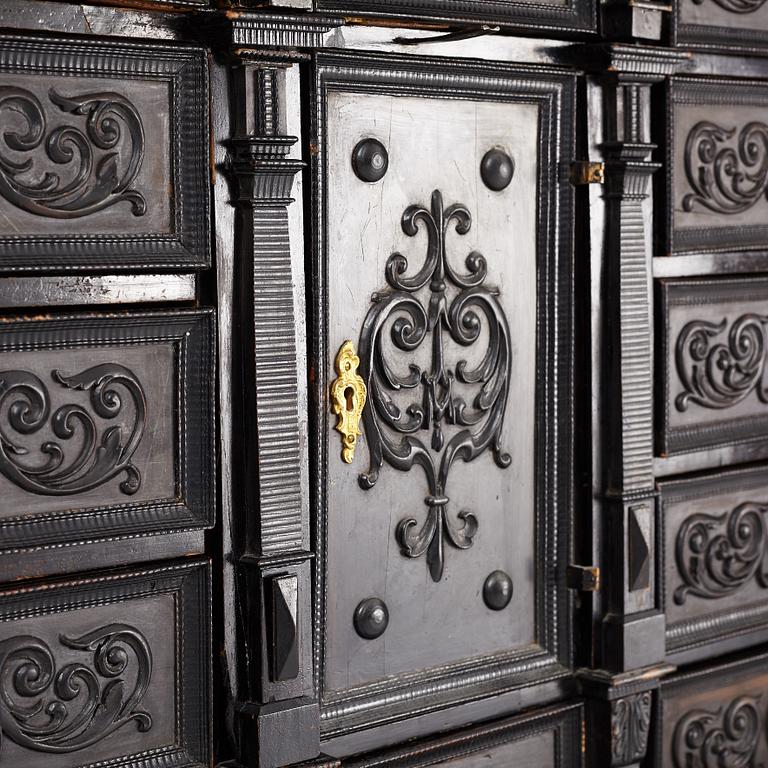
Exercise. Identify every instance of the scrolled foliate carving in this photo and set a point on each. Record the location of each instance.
(101, 155)
(50, 707)
(460, 316)
(719, 375)
(724, 738)
(100, 455)
(630, 722)
(717, 555)
(726, 179)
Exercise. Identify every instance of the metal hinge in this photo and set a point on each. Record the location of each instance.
(587, 172)
(583, 578)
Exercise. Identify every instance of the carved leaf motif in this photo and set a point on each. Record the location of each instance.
(391, 430)
(49, 708)
(100, 159)
(721, 375)
(718, 739)
(717, 555)
(630, 722)
(25, 401)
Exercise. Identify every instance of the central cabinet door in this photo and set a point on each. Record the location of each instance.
(444, 324)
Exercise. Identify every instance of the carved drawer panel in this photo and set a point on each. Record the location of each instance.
(711, 359)
(715, 531)
(717, 165)
(103, 155)
(721, 23)
(111, 670)
(105, 428)
(714, 716)
(550, 738)
(447, 506)
(559, 14)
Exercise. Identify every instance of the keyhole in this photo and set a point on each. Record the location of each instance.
(349, 394)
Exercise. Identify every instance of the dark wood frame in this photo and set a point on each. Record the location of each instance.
(193, 334)
(190, 584)
(187, 246)
(554, 92)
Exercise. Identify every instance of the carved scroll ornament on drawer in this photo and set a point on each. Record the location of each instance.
(390, 430)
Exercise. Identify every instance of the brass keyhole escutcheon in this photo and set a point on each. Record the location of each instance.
(348, 394)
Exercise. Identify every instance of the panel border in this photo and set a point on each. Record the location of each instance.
(192, 332)
(185, 68)
(554, 92)
(713, 36)
(190, 584)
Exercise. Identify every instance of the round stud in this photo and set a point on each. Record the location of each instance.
(497, 590)
(370, 160)
(371, 618)
(497, 169)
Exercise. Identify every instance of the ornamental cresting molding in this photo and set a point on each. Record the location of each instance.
(630, 723)
(25, 408)
(102, 161)
(720, 375)
(725, 179)
(50, 708)
(390, 430)
(725, 738)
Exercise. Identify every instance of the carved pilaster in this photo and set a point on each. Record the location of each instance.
(274, 561)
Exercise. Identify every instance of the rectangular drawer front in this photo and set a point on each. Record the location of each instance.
(715, 576)
(446, 513)
(712, 363)
(103, 155)
(717, 171)
(107, 428)
(722, 23)
(113, 668)
(547, 739)
(714, 716)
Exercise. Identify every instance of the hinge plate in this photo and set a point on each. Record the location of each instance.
(587, 172)
(583, 578)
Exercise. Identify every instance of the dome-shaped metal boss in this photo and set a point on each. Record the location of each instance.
(370, 160)
(497, 169)
(371, 618)
(497, 590)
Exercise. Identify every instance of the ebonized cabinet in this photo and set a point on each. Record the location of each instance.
(383, 384)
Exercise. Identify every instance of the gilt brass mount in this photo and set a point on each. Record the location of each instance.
(348, 394)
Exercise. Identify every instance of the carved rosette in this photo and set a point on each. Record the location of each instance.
(725, 177)
(630, 723)
(719, 375)
(47, 707)
(99, 158)
(100, 453)
(435, 305)
(717, 555)
(725, 738)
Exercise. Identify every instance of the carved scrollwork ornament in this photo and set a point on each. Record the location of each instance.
(719, 375)
(726, 179)
(717, 555)
(58, 709)
(725, 738)
(25, 408)
(410, 319)
(630, 723)
(100, 159)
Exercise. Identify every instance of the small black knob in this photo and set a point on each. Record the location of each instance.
(497, 590)
(371, 618)
(497, 169)
(370, 160)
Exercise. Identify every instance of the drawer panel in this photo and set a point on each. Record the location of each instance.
(445, 519)
(722, 23)
(106, 426)
(717, 165)
(714, 716)
(103, 156)
(559, 14)
(715, 531)
(547, 739)
(711, 360)
(111, 669)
